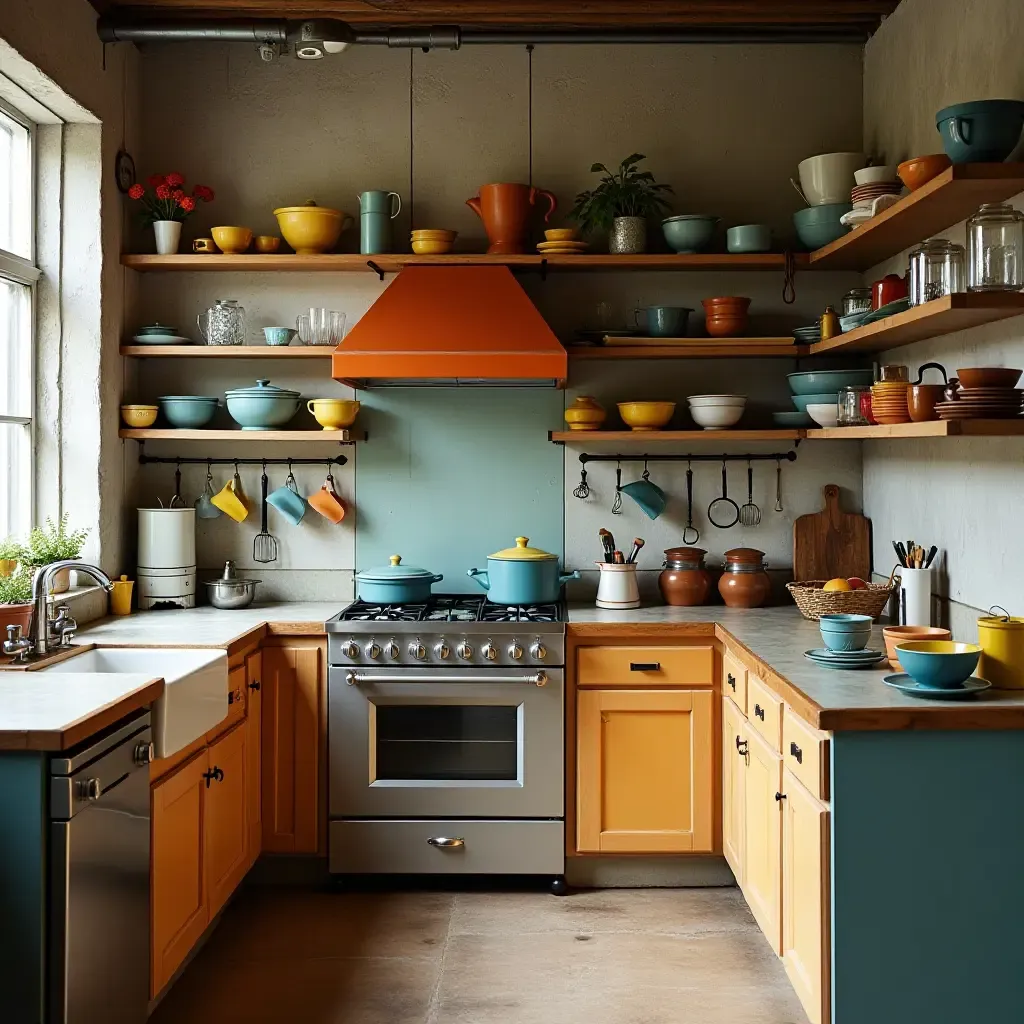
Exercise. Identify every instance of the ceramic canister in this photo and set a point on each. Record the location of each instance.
(1002, 651)
(617, 587)
(915, 597)
(685, 581)
(744, 583)
(377, 209)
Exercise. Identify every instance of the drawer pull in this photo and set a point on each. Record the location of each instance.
(645, 666)
(741, 746)
(759, 711)
(797, 753)
(780, 797)
(254, 685)
(731, 680)
(446, 842)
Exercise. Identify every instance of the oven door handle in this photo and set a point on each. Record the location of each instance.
(355, 678)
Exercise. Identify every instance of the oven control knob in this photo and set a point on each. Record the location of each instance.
(538, 651)
(464, 650)
(391, 650)
(515, 650)
(417, 651)
(441, 650)
(372, 650)
(488, 651)
(350, 649)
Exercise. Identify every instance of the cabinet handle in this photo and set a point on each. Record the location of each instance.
(797, 753)
(209, 776)
(731, 680)
(741, 746)
(759, 711)
(780, 796)
(645, 666)
(446, 842)
(254, 685)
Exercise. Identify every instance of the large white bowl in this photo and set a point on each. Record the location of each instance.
(713, 401)
(828, 177)
(716, 417)
(824, 415)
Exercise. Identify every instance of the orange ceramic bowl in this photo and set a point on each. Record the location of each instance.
(920, 169)
(894, 635)
(726, 304)
(726, 325)
(988, 377)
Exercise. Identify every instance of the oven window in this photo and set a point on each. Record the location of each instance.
(448, 742)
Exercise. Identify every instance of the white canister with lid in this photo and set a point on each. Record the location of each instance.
(617, 587)
(167, 538)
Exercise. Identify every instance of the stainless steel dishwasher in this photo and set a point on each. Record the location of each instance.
(99, 878)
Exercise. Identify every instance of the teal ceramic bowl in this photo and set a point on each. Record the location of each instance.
(985, 131)
(818, 225)
(188, 412)
(802, 401)
(689, 233)
(792, 419)
(749, 238)
(845, 623)
(262, 407)
(942, 664)
(279, 335)
(817, 382)
(844, 639)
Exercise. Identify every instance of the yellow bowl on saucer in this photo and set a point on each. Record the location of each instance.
(333, 413)
(138, 417)
(560, 235)
(232, 239)
(646, 415)
(420, 234)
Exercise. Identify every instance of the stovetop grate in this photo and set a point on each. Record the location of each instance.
(452, 608)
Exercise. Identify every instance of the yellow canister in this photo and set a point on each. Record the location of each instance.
(121, 596)
(1002, 651)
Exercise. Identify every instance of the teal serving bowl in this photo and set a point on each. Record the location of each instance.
(942, 664)
(817, 382)
(792, 419)
(688, 233)
(188, 412)
(262, 407)
(985, 131)
(802, 401)
(818, 225)
(845, 640)
(845, 623)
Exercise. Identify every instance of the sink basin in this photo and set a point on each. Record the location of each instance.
(195, 696)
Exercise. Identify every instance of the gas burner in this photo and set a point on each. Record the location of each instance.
(454, 609)
(522, 613)
(363, 612)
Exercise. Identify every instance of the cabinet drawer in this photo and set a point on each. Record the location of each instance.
(805, 753)
(764, 711)
(235, 704)
(645, 666)
(734, 681)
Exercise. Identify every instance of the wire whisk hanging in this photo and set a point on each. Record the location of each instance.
(617, 503)
(583, 490)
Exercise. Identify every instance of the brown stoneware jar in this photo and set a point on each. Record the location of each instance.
(744, 583)
(685, 581)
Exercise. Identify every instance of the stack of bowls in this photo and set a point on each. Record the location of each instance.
(845, 632)
(985, 392)
(873, 184)
(432, 241)
(889, 401)
(825, 182)
(689, 232)
(726, 316)
(821, 388)
(894, 635)
(716, 412)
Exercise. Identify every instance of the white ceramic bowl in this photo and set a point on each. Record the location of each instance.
(875, 175)
(716, 417)
(824, 415)
(828, 177)
(715, 401)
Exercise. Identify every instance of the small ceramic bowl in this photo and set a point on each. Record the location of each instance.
(333, 413)
(921, 169)
(232, 239)
(689, 233)
(825, 398)
(560, 235)
(646, 415)
(845, 640)
(944, 664)
(431, 246)
(421, 234)
(138, 417)
(894, 635)
(988, 377)
(279, 335)
(267, 243)
(749, 238)
(824, 415)
(845, 622)
(879, 175)
(188, 411)
(716, 417)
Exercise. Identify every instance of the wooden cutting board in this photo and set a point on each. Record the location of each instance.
(831, 542)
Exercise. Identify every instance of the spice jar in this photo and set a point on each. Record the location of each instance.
(744, 583)
(995, 249)
(937, 268)
(851, 406)
(685, 581)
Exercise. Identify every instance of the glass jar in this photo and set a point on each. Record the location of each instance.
(685, 581)
(851, 406)
(937, 268)
(857, 300)
(223, 323)
(744, 582)
(995, 249)
(894, 372)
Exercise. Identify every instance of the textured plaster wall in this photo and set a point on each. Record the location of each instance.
(961, 494)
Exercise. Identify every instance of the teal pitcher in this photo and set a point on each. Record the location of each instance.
(376, 211)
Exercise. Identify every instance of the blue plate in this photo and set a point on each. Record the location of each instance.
(844, 663)
(904, 683)
(827, 654)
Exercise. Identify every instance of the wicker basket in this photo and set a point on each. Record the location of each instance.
(814, 602)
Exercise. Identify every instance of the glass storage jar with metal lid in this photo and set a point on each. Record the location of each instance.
(937, 268)
(857, 300)
(995, 249)
(685, 580)
(851, 406)
(744, 582)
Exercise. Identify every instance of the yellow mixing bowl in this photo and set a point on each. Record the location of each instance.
(138, 417)
(311, 229)
(333, 413)
(232, 239)
(646, 415)
(431, 246)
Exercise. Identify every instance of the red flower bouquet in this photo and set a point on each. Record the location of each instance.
(166, 198)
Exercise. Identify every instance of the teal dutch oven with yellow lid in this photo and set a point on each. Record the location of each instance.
(522, 575)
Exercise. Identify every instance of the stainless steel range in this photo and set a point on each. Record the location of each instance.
(446, 738)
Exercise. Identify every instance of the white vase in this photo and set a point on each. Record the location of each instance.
(168, 235)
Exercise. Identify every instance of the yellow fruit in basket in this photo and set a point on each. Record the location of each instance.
(838, 584)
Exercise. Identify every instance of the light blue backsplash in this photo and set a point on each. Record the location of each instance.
(450, 475)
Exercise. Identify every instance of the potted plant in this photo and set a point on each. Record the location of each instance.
(54, 544)
(16, 600)
(621, 204)
(167, 206)
(12, 551)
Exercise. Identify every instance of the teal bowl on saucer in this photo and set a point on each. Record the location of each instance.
(943, 664)
(845, 623)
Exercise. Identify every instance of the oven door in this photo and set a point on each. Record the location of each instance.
(423, 743)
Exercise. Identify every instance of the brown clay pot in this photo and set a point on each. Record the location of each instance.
(744, 583)
(16, 615)
(505, 210)
(921, 399)
(685, 581)
(726, 316)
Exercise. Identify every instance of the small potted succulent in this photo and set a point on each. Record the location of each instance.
(54, 544)
(16, 600)
(167, 205)
(621, 204)
(12, 551)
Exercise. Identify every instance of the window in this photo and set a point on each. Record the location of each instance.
(18, 275)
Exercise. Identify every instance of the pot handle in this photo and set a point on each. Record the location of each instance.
(552, 201)
(481, 577)
(960, 130)
(436, 578)
(565, 577)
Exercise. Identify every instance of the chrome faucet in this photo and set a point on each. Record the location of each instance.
(41, 583)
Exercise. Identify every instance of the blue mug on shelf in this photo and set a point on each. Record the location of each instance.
(664, 321)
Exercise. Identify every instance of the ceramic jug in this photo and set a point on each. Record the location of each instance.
(505, 210)
(223, 323)
(377, 209)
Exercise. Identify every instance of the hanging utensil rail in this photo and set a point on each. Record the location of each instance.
(585, 458)
(170, 460)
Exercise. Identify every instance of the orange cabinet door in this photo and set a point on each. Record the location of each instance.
(762, 855)
(178, 895)
(734, 781)
(253, 753)
(293, 746)
(225, 840)
(645, 777)
(805, 898)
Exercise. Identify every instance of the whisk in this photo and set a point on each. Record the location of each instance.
(583, 491)
(264, 547)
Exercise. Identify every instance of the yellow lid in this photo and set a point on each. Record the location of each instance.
(523, 552)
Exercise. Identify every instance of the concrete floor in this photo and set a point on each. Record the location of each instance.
(613, 956)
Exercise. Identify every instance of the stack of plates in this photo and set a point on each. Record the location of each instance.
(160, 334)
(889, 401)
(562, 248)
(970, 686)
(983, 404)
(862, 196)
(807, 335)
(845, 659)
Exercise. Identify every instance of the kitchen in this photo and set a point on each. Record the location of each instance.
(448, 477)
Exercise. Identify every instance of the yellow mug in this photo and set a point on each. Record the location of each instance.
(121, 596)
(230, 499)
(204, 245)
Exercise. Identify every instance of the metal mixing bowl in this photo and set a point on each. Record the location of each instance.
(232, 594)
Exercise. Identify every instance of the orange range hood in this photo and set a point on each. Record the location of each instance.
(451, 327)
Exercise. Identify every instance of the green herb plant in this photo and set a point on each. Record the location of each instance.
(626, 192)
(54, 544)
(16, 588)
(11, 550)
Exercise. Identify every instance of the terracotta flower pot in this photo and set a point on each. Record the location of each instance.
(16, 615)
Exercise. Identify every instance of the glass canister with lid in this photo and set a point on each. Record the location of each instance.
(685, 581)
(744, 582)
(857, 300)
(223, 323)
(937, 268)
(852, 403)
(995, 249)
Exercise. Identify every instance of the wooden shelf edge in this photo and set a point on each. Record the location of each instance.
(227, 351)
(710, 348)
(644, 437)
(931, 428)
(160, 434)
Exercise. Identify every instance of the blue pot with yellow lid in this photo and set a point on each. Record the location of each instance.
(522, 575)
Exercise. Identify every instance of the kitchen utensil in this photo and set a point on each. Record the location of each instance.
(845, 657)
(919, 170)
(177, 501)
(638, 543)
(267, 244)
(608, 543)
(205, 508)
(663, 321)
(377, 208)
(750, 514)
(856, 300)
(940, 663)
(395, 583)
(817, 226)
(887, 289)
(875, 174)
(965, 691)
(327, 502)
(311, 229)
(689, 232)
(845, 640)
(646, 415)
(803, 401)
(522, 575)
(851, 409)
(824, 415)
(831, 543)
(725, 508)
(894, 635)
(617, 586)
(749, 238)
(982, 131)
(988, 377)
(188, 412)
(778, 486)
(582, 490)
(431, 246)
(321, 326)
(505, 209)
(262, 407)
(726, 316)
(560, 235)
(816, 382)
(617, 558)
(690, 533)
(264, 546)
(829, 323)
(139, 416)
(223, 323)
(585, 413)
(207, 245)
(744, 582)
(650, 497)
(232, 239)
(916, 587)
(230, 499)
(930, 557)
(333, 413)
(937, 268)
(287, 500)
(231, 591)
(685, 580)
(799, 191)
(279, 335)
(1001, 638)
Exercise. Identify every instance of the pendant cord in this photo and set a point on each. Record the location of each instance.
(412, 193)
(529, 108)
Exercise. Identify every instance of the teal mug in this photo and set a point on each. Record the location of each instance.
(377, 209)
(288, 501)
(664, 321)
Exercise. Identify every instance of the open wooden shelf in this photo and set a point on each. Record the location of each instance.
(161, 434)
(933, 428)
(648, 437)
(935, 206)
(695, 348)
(940, 316)
(228, 351)
(391, 263)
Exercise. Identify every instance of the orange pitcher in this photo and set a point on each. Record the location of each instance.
(505, 210)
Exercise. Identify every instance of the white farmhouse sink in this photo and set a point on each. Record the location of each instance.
(195, 696)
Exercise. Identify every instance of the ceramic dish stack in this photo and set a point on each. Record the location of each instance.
(985, 392)
(845, 659)
(877, 189)
(716, 412)
(562, 248)
(889, 401)
(807, 335)
(159, 334)
(819, 388)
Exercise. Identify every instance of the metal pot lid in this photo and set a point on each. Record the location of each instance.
(522, 552)
(395, 573)
(263, 389)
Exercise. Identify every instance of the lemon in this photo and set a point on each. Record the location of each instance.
(837, 584)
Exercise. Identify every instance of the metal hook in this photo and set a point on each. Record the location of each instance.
(645, 475)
